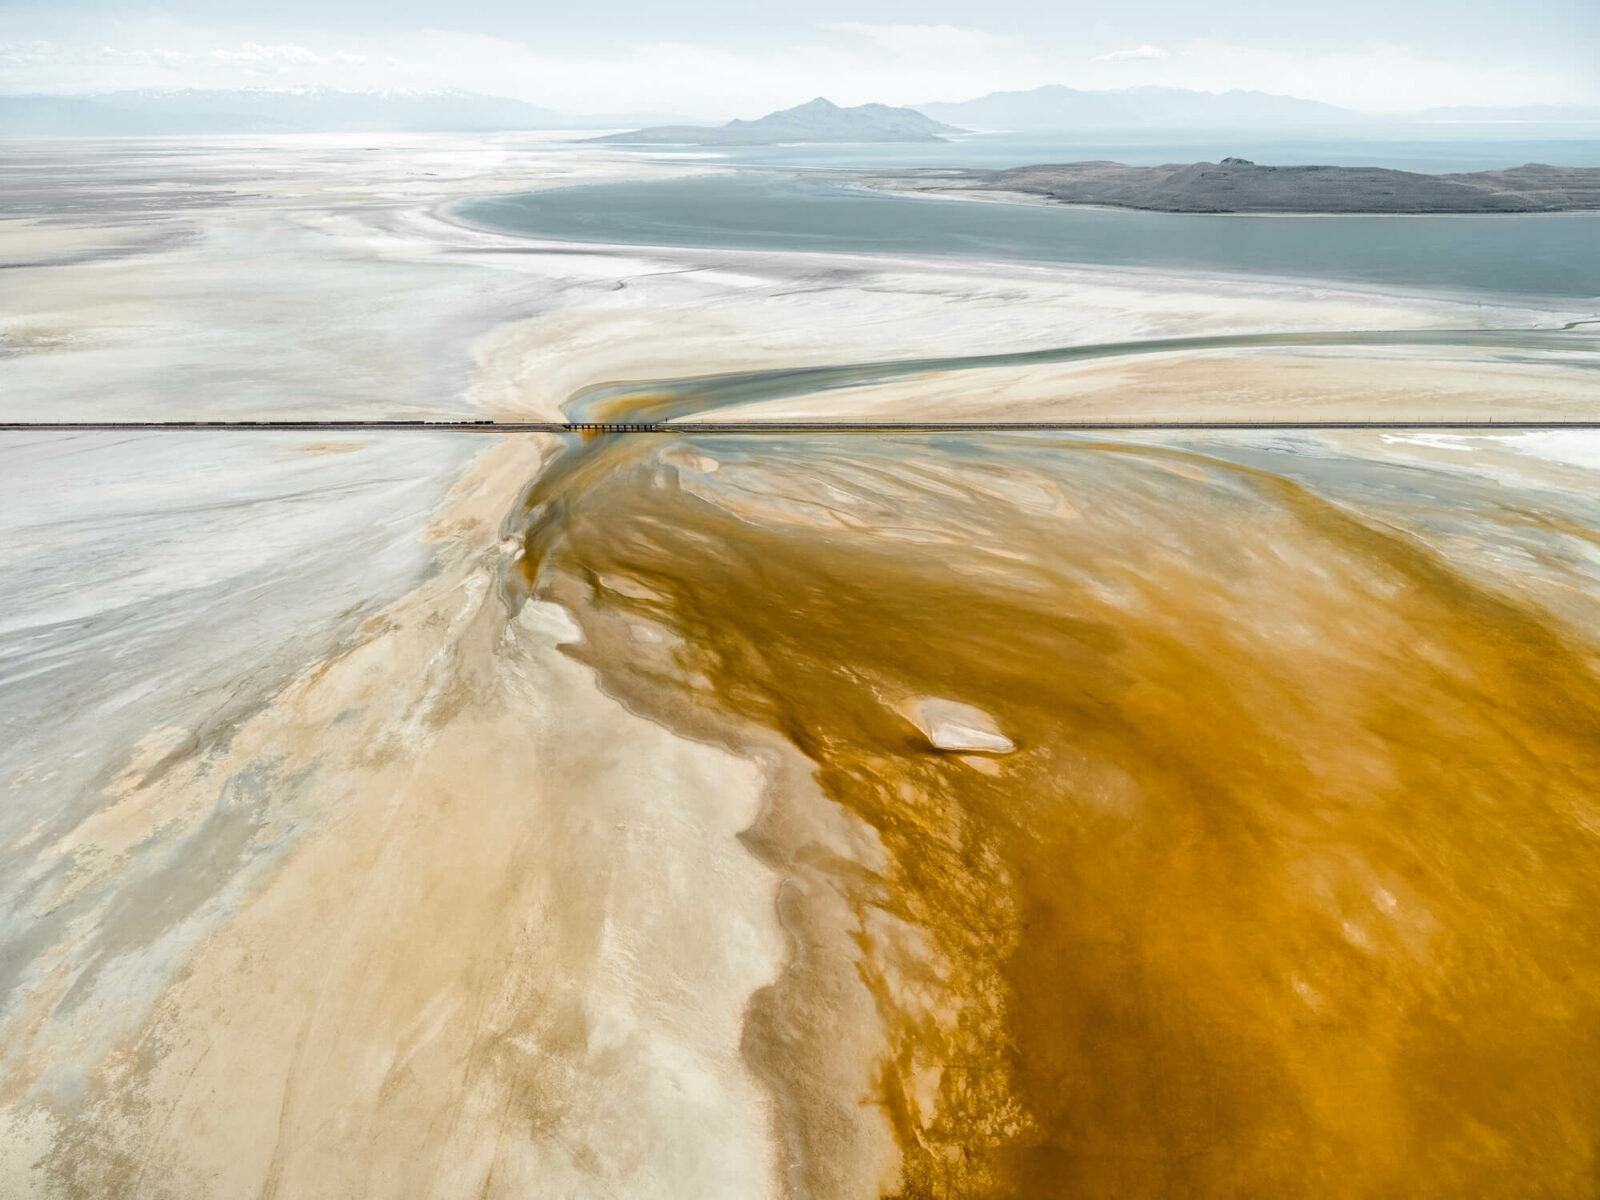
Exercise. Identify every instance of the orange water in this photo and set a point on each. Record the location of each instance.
(1291, 887)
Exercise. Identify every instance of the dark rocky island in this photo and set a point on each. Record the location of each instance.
(818, 120)
(1236, 185)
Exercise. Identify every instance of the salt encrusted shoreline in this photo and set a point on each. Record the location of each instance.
(465, 884)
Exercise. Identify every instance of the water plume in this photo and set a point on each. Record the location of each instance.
(1287, 886)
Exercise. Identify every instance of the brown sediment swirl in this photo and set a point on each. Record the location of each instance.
(1290, 886)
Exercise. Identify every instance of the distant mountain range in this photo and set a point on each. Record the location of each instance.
(177, 113)
(1057, 107)
(818, 120)
(306, 110)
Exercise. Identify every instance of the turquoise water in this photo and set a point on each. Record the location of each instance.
(1435, 148)
(1550, 257)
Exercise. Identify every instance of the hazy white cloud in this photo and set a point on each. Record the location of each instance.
(24, 53)
(941, 42)
(254, 56)
(849, 62)
(1375, 77)
(1131, 54)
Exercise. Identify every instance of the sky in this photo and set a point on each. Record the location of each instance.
(722, 58)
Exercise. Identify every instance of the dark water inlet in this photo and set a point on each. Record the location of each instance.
(1554, 256)
(662, 400)
(648, 407)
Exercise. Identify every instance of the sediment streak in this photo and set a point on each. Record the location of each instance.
(1288, 887)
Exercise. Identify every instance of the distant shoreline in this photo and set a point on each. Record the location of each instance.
(1029, 200)
(1238, 187)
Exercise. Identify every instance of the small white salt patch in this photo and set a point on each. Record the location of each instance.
(550, 621)
(951, 725)
(1306, 992)
(626, 585)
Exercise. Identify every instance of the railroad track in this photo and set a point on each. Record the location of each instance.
(773, 427)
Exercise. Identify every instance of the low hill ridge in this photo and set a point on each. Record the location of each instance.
(818, 120)
(1236, 185)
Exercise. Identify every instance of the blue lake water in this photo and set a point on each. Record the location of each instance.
(1434, 148)
(1548, 256)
